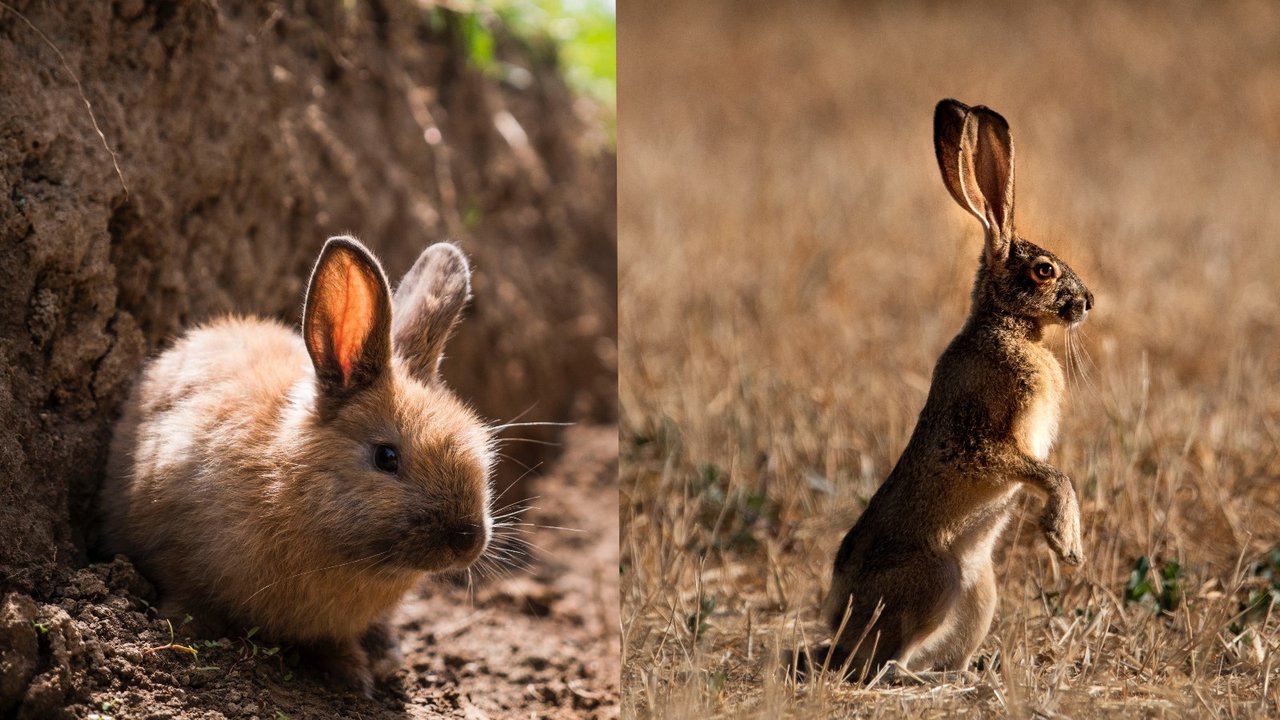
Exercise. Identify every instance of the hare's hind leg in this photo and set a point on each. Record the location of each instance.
(973, 614)
(916, 599)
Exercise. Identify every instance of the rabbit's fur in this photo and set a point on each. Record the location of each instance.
(922, 549)
(242, 477)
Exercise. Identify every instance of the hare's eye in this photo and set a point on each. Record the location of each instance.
(1044, 271)
(386, 459)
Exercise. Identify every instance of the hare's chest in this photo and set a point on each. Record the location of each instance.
(1037, 422)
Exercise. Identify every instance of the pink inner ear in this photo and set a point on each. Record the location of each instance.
(349, 305)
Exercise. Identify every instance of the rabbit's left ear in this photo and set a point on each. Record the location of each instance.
(975, 154)
(428, 304)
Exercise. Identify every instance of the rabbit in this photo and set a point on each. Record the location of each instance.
(921, 553)
(302, 485)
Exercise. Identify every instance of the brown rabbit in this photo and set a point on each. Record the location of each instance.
(922, 550)
(302, 485)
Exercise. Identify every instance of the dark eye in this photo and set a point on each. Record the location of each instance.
(1044, 271)
(386, 459)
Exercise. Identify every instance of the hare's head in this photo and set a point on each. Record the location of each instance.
(397, 467)
(1015, 277)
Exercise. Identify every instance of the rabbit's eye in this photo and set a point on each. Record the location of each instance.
(1044, 272)
(386, 459)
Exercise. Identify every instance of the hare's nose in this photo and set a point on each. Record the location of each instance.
(1088, 301)
(463, 537)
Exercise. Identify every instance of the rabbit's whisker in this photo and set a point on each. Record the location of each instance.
(531, 441)
(506, 426)
(372, 559)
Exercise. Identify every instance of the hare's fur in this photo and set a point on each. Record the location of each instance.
(920, 555)
(240, 482)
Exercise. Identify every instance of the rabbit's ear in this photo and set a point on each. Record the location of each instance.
(347, 318)
(428, 303)
(975, 154)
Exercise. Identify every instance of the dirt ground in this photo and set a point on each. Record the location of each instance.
(539, 642)
(162, 164)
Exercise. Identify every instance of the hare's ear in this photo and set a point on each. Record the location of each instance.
(428, 303)
(948, 127)
(346, 322)
(975, 154)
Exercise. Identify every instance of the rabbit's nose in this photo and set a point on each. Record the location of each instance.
(1088, 301)
(463, 537)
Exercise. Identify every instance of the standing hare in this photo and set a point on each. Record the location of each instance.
(303, 484)
(921, 554)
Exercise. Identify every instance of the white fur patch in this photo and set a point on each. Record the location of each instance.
(1038, 426)
(974, 549)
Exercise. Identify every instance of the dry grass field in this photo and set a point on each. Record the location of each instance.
(791, 267)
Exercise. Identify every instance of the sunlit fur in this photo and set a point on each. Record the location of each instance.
(249, 508)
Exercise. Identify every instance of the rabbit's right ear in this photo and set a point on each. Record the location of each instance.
(975, 155)
(428, 302)
(347, 318)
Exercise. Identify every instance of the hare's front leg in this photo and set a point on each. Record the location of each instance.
(1061, 518)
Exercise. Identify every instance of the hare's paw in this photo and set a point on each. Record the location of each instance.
(1062, 531)
(896, 674)
(1070, 553)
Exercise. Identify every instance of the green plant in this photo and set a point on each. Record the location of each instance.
(1262, 591)
(253, 649)
(583, 34)
(697, 620)
(1162, 591)
(172, 645)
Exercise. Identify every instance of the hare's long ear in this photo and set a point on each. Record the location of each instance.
(975, 154)
(346, 322)
(948, 127)
(428, 303)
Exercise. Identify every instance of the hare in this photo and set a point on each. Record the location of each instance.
(921, 553)
(302, 485)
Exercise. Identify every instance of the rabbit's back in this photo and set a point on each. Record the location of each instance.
(180, 480)
(241, 365)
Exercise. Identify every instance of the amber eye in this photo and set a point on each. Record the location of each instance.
(1043, 272)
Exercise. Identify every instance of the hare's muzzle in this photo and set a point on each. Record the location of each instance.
(1077, 308)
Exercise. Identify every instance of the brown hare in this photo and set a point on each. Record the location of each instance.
(302, 485)
(921, 553)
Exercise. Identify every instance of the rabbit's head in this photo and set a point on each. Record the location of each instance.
(1016, 277)
(396, 467)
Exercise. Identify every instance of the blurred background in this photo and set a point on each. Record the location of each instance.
(791, 266)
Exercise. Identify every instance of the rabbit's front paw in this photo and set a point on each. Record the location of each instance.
(347, 662)
(380, 644)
